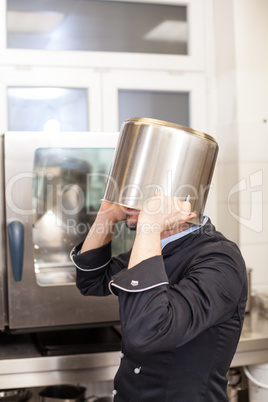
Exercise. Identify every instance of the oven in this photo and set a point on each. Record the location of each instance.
(53, 184)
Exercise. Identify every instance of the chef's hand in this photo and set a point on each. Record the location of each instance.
(162, 213)
(113, 212)
(103, 228)
(159, 217)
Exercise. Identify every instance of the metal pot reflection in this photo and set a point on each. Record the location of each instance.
(156, 155)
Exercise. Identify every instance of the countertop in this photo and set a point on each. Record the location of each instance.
(253, 343)
(22, 364)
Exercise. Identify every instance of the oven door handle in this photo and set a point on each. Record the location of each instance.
(16, 247)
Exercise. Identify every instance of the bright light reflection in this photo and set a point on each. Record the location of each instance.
(169, 31)
(52, 125)
(33, 93)
(32, 22)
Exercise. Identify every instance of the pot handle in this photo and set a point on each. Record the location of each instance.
(16, 247)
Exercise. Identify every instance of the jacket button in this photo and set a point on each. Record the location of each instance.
(121, 355)
(114, 392)
(137, 370)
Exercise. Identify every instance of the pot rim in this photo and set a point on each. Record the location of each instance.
(150, 121)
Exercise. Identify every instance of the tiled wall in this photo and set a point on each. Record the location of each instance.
(253, 205)
(242, 129)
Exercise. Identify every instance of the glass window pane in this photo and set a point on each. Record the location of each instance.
(167, 106)
(97, 26)
(47, 109)
(67, 188)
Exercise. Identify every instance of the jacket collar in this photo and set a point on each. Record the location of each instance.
(186, 232)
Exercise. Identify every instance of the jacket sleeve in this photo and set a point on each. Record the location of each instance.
(156, 316)
(95, 268)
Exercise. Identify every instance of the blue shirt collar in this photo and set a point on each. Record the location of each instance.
(177, 236)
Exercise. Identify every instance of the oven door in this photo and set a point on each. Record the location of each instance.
(53, 187)
(2, 242)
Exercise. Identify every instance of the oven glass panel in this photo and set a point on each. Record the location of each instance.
(47, 109)
(68, 185)
(94, 25)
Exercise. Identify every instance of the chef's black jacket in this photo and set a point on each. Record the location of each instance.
(181, 315)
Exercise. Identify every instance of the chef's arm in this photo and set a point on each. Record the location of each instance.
(160, 217)
(102, 230)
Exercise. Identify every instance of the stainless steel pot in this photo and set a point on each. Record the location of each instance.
(156, 155)
(62, 393)
(15, 395)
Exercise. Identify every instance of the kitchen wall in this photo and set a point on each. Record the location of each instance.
(241, 79)
(236, 32)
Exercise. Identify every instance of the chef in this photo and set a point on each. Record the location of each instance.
(182, 293)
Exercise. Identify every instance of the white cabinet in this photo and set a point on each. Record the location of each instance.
(188, 90)
(154, 67)
(151, 34)
(47, 99)
(69, 99)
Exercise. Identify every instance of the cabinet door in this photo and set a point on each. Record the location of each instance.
(178, 98)
(48, 99)
(137, 33)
